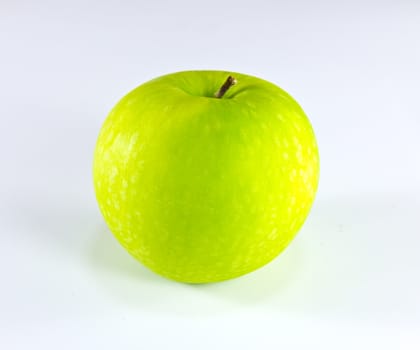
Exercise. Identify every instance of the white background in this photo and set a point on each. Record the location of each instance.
(351, 279)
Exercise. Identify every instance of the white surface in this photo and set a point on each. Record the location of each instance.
(351, 279)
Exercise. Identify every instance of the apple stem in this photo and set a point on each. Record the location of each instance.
(230, 81)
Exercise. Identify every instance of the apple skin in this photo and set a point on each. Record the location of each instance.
(203, 189)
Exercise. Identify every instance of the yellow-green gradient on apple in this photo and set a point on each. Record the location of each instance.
(203, 187)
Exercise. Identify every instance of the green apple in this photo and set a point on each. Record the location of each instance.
(202, 179)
